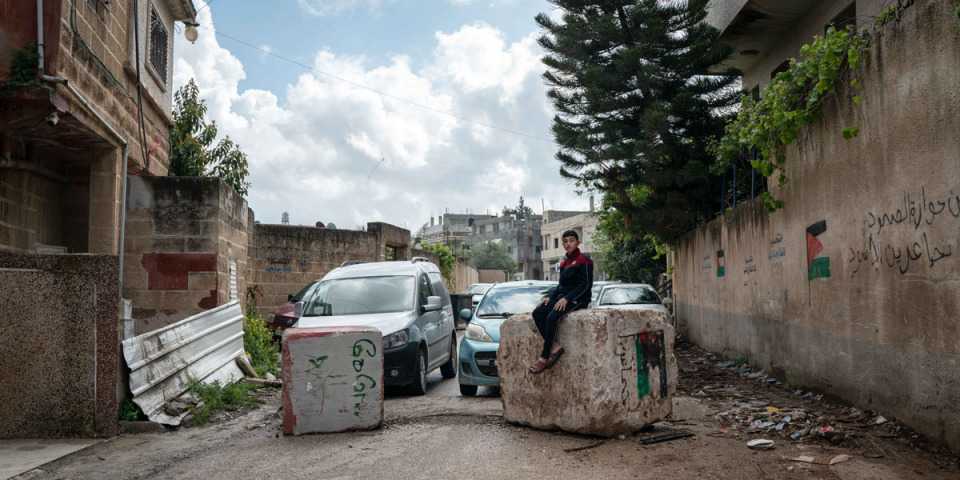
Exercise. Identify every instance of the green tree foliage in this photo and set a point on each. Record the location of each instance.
(448, 262)
(193, 153)
(521, 210)
(636, 111)
(490, 254)
(794, 99)
(628, 258)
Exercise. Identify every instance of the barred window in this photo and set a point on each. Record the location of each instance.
(158, 45)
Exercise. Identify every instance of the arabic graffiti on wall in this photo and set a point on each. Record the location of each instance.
(918, 221)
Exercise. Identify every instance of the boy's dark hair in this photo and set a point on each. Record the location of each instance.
(571, 233)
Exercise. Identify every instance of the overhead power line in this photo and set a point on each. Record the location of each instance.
(378, 92)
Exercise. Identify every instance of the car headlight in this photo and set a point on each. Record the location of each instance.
(476, 332)
(395, 340)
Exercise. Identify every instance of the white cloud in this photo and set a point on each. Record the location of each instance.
(315, 148)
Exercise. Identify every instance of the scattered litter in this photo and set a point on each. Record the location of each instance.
(780, 426)
(771, 380)
(838, 459)
(666, 438)
(799, 434)
(787, 418)
(760, 444)
(833, 461)
(773, 409)
(745, 370)
(585, 447)
(880, 420)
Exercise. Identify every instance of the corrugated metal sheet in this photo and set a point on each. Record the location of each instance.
(203, 347)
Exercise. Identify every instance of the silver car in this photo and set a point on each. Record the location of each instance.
(629, 296)
(407, 301)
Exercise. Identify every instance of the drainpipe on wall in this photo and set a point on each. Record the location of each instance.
(123, 141)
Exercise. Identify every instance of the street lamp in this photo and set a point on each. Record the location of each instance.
(190, 33)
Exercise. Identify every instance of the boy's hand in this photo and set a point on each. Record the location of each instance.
(561, 305)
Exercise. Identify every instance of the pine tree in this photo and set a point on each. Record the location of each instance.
(636, 108)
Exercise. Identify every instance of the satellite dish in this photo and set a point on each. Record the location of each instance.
(331, 225)
(320, 225)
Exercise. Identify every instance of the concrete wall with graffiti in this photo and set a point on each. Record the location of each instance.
(185, 248)
(853, 288)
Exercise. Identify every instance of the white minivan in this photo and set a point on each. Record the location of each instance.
(406, 300)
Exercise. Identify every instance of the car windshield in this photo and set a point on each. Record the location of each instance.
(303, 292)
(628, 296)
(363, 295)
(506, 301)
(478, 289)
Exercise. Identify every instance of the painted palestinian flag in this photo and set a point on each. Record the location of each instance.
(816, 266)
(720, 269)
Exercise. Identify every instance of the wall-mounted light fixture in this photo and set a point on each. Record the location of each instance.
(190, 33)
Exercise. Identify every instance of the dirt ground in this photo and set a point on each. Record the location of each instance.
(445, 435)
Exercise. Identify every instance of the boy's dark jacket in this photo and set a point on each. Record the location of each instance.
(576, 279)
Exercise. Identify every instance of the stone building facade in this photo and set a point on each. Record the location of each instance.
(71, 131)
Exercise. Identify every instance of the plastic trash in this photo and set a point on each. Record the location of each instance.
(760, 444)
(800, 434)
(880, 420)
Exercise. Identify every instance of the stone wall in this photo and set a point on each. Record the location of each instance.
(185, 248)
(853, 288)
(284, 258)
(60, 351)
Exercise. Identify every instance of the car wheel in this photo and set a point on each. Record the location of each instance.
(468, 390)
(449, 369)
(419, 385)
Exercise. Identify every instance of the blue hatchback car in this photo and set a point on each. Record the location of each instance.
(478, 348)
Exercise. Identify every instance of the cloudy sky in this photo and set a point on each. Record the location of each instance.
(380, 110)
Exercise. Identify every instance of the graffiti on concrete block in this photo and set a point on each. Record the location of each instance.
(649, 356)
(924, 245)
(749, 266)
(278, 270)
(706, 263)
(278, 261)
(817, 267)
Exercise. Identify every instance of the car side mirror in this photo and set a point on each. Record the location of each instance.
(667, 302)
(466, 314)
(298, 309)
(289, 297)
(433, 304)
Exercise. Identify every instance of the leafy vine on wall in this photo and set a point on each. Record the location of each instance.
(794, 99)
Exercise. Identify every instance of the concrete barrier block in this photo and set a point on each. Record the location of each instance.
(332, 379)
(617, 375)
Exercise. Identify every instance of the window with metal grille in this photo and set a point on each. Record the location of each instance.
(158, 45)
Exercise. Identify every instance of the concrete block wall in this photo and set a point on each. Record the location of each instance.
(284, 258)
(183, 237)
(60, 355)
(853, 288)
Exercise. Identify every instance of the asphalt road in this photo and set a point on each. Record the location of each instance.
(445, 435)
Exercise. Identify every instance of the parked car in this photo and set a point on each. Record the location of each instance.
(282, 318)
(597, 286)
(481, 340)
(477, 290)
(406, 300)
(629, 296)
